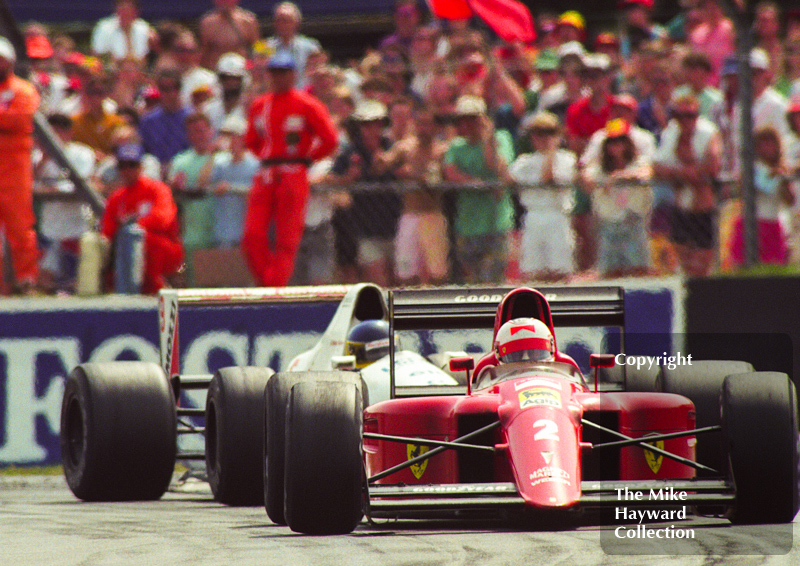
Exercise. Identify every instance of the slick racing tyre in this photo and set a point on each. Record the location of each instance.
(234, 425)
(325, 483)
(276, 399)
(118, 431)
(701, 383)
(759, 420)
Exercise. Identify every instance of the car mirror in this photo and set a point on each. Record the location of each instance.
(602, 361)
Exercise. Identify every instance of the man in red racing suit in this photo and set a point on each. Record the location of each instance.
(149, 203)
(287, 129)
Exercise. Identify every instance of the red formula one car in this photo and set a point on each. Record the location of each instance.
(534, 436)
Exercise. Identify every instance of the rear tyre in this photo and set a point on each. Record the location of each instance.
(759, 419)
(276, 399)
(118, 431)
(324, 465)
(234, 425)
(701, 383)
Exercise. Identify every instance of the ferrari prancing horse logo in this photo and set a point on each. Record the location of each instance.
(413, 450)
(654, 460)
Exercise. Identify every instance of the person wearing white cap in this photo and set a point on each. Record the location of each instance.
(231, 179)
(483, 218)
(18, 102)
(233, 77)
(769, 106)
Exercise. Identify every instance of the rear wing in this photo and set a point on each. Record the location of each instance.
(432, 309)
(170, 302)
(442, 309)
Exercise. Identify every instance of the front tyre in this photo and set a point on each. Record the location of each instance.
(234, 425)
(324, 464)
(759, 425)
(118, 431)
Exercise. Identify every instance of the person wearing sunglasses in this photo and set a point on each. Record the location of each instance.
(688, 157)
(141, 203)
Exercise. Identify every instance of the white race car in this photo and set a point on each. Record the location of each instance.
(121, 420)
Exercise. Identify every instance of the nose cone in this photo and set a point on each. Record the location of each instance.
(543, 444)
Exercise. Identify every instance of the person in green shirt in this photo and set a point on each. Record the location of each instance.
(483, 218)
(189, 176)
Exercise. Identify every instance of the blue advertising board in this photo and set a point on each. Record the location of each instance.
(41, 340)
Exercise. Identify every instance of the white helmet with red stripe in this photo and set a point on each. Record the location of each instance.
(524, 339)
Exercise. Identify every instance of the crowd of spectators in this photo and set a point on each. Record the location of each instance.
(584, 154)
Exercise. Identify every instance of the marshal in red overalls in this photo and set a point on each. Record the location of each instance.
(287, 129)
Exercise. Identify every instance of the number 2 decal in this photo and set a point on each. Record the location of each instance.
(549, 430)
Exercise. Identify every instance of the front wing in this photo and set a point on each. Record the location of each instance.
(387, 501)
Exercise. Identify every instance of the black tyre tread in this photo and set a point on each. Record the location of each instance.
(234, 425)
(276, 399)
(701, 383)
(760, 430)
(118, 431)
(324, 462)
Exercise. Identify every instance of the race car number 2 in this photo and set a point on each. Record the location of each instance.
(548, 430)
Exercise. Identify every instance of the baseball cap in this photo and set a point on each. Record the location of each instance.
(232, 64)
(282, 61)
(617, 128)
(7, 51)
(541, 121)
(574, 48)
(626, 100)
(572, 18)
(38, 47)
(129, 152)
(370, 111)
(597, 61)
(547, 60)
(470, 105)
(606, 39)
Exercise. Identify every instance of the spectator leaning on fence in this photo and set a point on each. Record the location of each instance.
(483, 218)
(62, 223)
(688, 157)
(421, 246)
(287, 130)
(231, 179)
(622, 197)
(190, 176)
(547, 245)
(148, 203)
(773, 191)
(18, 102)
(366, 229)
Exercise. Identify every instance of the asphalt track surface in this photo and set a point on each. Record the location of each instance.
(41, 523)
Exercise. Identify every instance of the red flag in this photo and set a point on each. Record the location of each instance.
(509, 19)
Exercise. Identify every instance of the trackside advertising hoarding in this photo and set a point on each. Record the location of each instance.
(41, 340)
